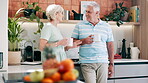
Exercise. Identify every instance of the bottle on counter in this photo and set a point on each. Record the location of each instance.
(123, 51)
(129, 53)
(129, 50)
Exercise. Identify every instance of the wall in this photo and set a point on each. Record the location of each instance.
(3, 32)
(141, 32)
(125, 31)
(106, 5)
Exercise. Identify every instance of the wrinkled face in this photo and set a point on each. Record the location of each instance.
(91, 14)
(59, 16)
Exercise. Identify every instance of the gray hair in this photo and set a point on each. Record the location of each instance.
(95, 6)
(51, 11)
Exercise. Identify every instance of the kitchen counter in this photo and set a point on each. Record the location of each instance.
(126, 70)
(29, 68)
(129, 60)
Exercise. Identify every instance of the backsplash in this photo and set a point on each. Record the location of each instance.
(106, 5)
(125, 31)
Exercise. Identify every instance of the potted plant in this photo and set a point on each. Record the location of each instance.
(44, 15)
(14, 31)
(30, 8)
(40, 24)
(119, 14)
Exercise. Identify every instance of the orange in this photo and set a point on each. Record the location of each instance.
(56, 77)
(47, 80)
(69, 76)
(27, 78)
(66, 65)
(50, 64)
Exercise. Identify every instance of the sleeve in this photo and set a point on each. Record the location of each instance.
(75, 33)
(110, 35)
(46, 33)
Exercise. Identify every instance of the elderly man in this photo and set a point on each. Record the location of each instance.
(97, 49)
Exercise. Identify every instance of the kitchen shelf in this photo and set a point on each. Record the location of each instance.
(110, 22)
(76, 21)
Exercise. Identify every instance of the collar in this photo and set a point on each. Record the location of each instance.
(87, 22)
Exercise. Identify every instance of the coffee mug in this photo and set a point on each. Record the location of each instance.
(97, 37)
(70, 41)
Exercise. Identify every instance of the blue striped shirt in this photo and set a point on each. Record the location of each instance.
(97, 51)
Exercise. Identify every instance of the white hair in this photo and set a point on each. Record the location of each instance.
(51, 11)
(95, 6)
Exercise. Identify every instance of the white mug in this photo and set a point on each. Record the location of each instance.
(97, 37)
(70, 41)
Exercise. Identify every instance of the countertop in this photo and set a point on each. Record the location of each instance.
(129, 60)
(30, 68)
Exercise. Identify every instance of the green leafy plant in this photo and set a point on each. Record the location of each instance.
(40, 24)
(14, 31)
(34, 6)
(29, 7)
(29, 10)
(117, 14)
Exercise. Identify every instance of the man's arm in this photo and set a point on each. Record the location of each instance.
(110, 47)
(87, 40)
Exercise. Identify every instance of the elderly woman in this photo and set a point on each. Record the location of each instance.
(51, 35)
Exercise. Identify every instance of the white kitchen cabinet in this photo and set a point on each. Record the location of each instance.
(110, 81)
(131, 70)
(134, 80)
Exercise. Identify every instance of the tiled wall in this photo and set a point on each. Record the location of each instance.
(106, 5)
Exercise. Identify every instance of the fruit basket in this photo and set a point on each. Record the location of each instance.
(53, 71)
(64, 73)
(54, 82)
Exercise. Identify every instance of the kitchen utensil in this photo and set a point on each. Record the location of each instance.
(77, 16)
(28, 52)
(37, 56)
(66, 15)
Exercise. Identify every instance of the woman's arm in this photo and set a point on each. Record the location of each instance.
(44, 43)
(76, 44)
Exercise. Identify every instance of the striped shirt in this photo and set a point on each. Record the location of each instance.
(97, 51)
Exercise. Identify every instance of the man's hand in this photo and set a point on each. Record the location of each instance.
(110, 71)
(87, 40)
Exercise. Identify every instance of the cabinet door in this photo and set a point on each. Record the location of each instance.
(110, 81)
(131, 70)
(134, 80)
(1, 79)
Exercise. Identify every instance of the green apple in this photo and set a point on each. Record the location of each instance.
(36, 76)
(76, 72)
(50, 72)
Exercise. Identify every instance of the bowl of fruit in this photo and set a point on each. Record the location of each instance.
(54, 72)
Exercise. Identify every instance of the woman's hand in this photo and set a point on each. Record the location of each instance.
(76, 43)
(63, 42)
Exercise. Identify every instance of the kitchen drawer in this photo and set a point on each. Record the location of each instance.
(131, 70)
(134, 80)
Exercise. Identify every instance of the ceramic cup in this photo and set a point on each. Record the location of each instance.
(70, 41)
(97, 38)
